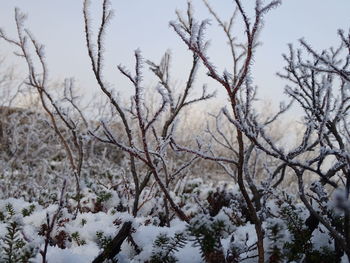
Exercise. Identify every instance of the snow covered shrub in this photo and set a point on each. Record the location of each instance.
(102, 240)
(165, 246)
(14, 248)
(275, 232)
(207, 233)
(290, 236)
(219, 199)
(300, 243)
(77, 239)
(14, 245)
(26, 155)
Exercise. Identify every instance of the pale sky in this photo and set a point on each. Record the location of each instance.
(145, 25)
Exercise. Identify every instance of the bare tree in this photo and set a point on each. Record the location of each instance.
(238, 87)
(148, 132)
(153, 138)
(318, 83)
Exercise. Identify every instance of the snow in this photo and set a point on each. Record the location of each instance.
(81, 254)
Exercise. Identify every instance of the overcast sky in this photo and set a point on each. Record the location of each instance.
(145, 25)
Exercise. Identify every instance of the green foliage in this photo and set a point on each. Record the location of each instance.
(2, 216)
(103, 241)
(207, 232)
(113, 211)
(14, 247)
(103, 196)
(275, 234)
(83, 222)
(301, 236)
(192, 187)
(28, 211)
(301, 245)
(77, 197)
(9, 209)
(323, 255)
(164, 247)
(77, 239)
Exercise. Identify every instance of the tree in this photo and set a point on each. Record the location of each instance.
(319, 85)
(238, 87)
(149, 143)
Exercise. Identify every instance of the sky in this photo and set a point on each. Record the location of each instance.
(145, 25)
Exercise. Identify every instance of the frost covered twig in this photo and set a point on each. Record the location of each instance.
(192, 34)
